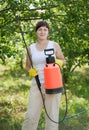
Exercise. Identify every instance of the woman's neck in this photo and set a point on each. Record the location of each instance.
(42, 41)
(42, 44)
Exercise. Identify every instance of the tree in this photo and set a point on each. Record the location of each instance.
(69, 21)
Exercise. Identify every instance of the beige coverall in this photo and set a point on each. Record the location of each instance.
(35, 106)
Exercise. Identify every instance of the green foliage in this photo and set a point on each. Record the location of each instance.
(69, 22)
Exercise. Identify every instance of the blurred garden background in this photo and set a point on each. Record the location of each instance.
(69, 22)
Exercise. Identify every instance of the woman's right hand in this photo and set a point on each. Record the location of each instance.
(33, 72)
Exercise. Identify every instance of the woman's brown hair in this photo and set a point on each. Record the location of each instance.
(40, 24)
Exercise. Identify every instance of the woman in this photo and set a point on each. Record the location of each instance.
(35, 104)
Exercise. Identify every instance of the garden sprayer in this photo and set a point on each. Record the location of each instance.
(52, 74)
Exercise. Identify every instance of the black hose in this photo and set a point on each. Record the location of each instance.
(47, 112)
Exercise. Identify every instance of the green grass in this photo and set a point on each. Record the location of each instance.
(14, 89)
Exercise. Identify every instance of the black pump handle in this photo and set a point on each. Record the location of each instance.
(47, 51)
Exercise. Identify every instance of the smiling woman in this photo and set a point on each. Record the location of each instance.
(42, 32)
(38, 57)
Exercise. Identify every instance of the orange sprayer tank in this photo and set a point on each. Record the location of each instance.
(53, 78)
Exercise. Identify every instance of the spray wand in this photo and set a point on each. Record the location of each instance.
(22, 34)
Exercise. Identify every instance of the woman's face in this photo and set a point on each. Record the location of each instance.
(42, 33)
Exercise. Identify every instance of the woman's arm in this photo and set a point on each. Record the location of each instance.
(59, 54)
(28, 63)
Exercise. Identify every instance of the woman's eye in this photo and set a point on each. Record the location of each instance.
(45, 29)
